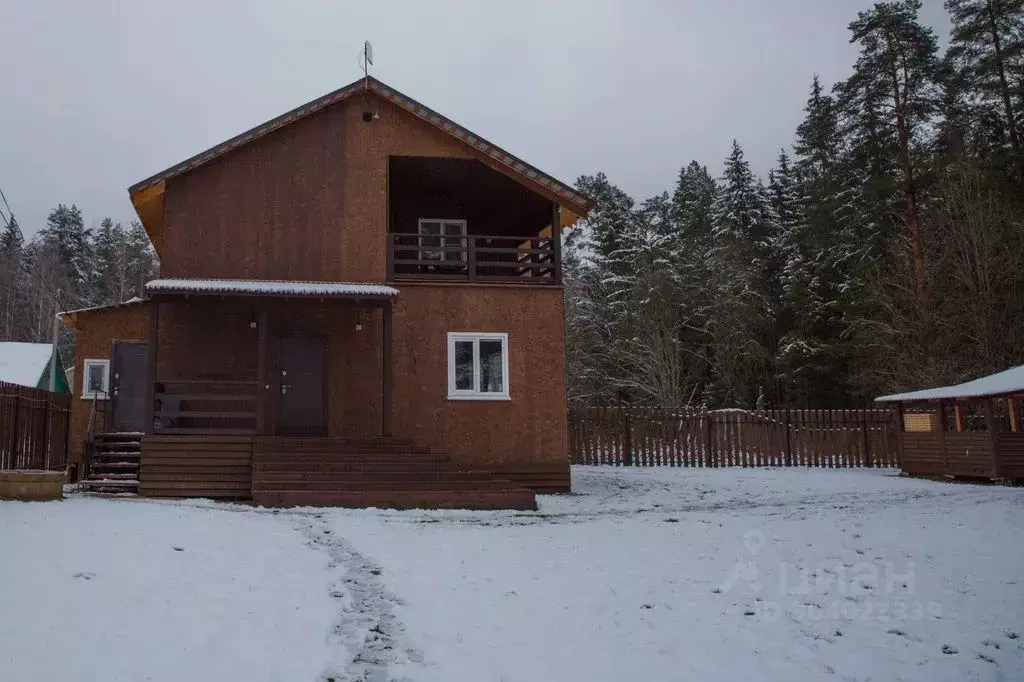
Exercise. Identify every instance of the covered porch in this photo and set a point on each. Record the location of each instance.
(269, 358)
(969, 430)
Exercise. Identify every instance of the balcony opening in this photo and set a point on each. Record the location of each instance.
(459, 220)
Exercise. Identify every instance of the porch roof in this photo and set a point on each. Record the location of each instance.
(1006, 383)
(270, 288)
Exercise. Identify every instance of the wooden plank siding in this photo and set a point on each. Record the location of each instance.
(196, 466)
(1011, 455)
(33, 428)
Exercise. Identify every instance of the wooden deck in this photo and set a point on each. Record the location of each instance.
(279, 471)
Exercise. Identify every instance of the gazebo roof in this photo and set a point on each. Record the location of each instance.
(1006, 383)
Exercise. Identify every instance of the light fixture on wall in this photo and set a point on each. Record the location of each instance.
(359, 320)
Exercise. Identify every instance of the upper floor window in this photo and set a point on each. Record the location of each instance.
(95, 378)
(477, 366)
(442, 240)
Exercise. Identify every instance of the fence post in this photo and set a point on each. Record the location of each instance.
(627, 440)
(868, 459)
(14, 430)
(709, 454)
(789, 441)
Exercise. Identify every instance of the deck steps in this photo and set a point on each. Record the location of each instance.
(383, 473)
(115, 463)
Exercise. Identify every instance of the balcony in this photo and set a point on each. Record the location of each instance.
(458, 220)
(474, 258)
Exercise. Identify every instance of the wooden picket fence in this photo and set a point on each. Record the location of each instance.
(689, 437)
(33, 428)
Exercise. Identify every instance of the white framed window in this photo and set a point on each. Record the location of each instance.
(477, 366)
(437, 233)
(96, 378)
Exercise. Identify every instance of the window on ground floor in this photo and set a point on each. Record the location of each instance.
(95, 378)
(477, 366)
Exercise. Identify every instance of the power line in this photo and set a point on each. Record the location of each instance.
(6, 204)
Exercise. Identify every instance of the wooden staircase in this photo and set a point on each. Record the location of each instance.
(386, 473)
(114, 465)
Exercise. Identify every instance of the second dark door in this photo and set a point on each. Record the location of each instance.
(300, 407)
(129, 373)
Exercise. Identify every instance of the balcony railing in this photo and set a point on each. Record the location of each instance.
(474, 258)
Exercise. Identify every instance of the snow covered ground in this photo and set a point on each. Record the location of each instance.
(650, 574)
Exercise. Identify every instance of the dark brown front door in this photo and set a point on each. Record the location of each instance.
(129, 372)
(300, 407)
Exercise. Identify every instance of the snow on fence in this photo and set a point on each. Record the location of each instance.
(33, 428)
(687, 437)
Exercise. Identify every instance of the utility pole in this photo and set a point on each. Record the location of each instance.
(54, 354)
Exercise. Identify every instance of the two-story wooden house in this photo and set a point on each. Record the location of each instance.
(359, 303)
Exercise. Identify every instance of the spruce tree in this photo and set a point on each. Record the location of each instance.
(66, 236)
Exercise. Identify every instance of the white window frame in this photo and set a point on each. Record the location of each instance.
(91, 362)
(445, 256)
(475, 393)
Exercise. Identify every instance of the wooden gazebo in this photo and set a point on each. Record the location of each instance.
(971, 430)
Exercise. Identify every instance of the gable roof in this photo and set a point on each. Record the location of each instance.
(1007, 382)
(70, 317)
(25, 364)
(146, 192)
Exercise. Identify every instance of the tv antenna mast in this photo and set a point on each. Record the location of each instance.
(366, 59)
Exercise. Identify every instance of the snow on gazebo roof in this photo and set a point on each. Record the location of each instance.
(1007, 382)
(264, 287)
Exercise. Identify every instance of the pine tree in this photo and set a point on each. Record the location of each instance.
(891, 100)
(987, 43)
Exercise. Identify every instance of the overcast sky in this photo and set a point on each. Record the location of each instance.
(100, 94)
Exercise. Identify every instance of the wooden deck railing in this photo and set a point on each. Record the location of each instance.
(474, 258)
(205, 407)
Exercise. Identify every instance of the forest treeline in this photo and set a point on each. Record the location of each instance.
(884, 250)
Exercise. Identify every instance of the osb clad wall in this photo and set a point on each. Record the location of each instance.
(531, 428)
(216, 339)
(489, 202)
(96, 333)
(207, 338)
(308, 201)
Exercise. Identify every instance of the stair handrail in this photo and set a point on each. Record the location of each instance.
(90, 435)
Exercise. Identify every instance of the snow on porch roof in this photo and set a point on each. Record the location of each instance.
(266, 287)
(1008, 382)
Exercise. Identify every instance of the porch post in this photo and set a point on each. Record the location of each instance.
(386, 397)
(261, 373)
(993, 432)
(899, 434)
(154, 342)
(556, 241)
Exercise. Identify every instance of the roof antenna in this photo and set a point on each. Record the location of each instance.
(366, 61)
